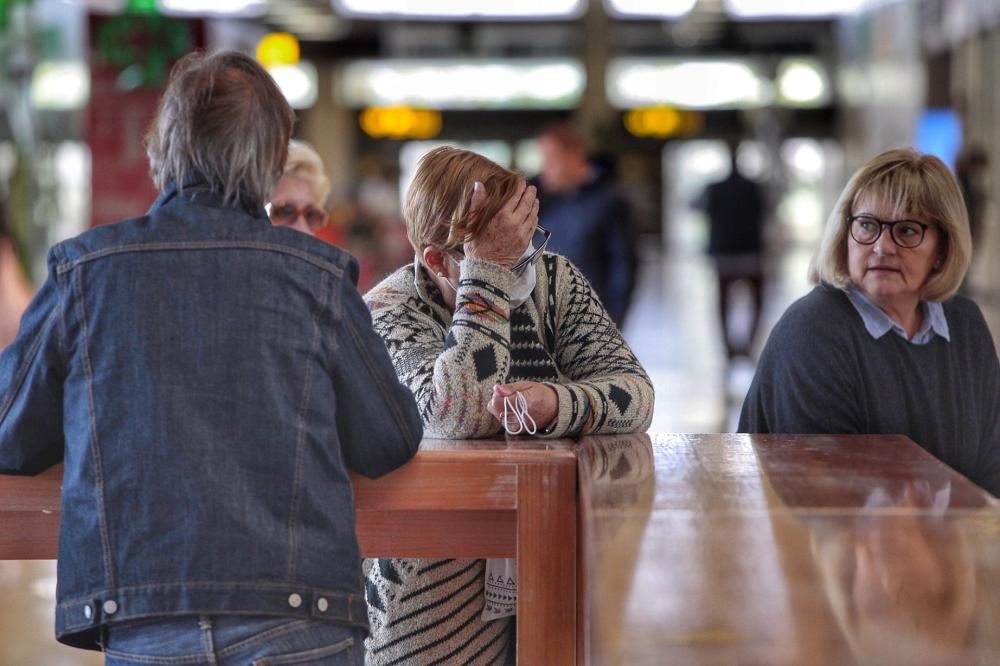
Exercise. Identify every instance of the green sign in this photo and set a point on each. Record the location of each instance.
(141, 44)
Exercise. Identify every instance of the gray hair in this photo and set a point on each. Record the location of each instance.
(221, 118)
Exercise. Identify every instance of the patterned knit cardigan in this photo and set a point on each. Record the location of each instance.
(429, 611)
(561, 336)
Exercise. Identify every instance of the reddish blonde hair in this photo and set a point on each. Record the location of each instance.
(437, 205)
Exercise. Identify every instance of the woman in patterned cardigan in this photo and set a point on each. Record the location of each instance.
(480, 315)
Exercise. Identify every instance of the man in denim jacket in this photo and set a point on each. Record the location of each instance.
(208, 380)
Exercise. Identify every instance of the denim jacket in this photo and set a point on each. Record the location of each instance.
(208, 380)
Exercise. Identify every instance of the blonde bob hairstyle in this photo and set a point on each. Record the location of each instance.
(437, 205)
(911, 184)
(305, 164)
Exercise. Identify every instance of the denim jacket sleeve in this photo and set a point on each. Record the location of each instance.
(31, 398)
(378, 422)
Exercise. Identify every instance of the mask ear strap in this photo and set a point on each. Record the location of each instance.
(526, 418)
(517, 417)
(520, 412)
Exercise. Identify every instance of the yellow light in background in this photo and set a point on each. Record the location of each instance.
(278, 48)
(400, 122)
(661, 122)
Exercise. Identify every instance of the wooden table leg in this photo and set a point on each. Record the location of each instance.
(546, 563)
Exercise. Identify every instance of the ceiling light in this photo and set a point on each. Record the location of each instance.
(690, 84)
(802, 82)
(298, 83)
(661, 9)
(462, 9)
(214, 7)
(792, 8)
(60, 85)
(446, 84)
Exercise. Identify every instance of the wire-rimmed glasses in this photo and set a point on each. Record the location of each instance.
(539, 241)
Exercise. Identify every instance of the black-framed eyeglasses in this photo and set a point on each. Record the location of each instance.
(539, 241)
(866, 229)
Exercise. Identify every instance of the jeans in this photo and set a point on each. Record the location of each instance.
(232, 640)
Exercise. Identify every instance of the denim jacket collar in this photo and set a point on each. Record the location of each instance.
(198, 190)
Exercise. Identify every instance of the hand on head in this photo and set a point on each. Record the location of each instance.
(506, 236)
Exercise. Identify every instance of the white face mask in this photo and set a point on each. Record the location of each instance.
(524, 284)
(520, 288)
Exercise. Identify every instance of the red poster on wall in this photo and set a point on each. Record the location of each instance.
(130, 58)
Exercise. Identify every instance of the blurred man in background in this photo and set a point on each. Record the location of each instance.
(588, 219)
(736, 208)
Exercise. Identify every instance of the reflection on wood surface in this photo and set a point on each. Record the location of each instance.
(616, 473)
(788, 550)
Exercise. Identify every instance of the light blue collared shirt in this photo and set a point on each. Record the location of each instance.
(878, 323)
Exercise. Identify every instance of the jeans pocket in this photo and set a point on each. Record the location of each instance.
(314, 657)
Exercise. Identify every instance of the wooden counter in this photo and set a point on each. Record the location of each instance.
(472, 498)
(736, 549)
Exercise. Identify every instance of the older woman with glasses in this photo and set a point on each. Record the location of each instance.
(491, 333)
(882, 345)
(298, 200)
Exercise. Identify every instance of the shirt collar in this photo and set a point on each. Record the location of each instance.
(878, 323)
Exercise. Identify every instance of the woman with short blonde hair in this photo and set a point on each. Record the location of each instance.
(299, 200)
(882, 345)
(491, 333)
(910, 181)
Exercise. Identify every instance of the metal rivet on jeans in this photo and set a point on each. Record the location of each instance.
(110, 606)
(88, 612)
(322, 604)
(294, 600)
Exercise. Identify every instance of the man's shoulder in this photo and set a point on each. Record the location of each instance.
(166, 233)
(103, 238)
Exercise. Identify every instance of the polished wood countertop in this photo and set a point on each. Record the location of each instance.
(739, 549)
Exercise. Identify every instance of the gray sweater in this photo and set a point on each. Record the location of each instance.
(822, 372)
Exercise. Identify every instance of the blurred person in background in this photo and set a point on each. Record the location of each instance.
(197, 369)
(882, 345)
(588, 218)
(736, 210)
(491, 333)
(972, 170)
(299, 200)
(15, 290)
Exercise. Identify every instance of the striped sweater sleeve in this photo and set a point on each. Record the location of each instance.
(452, 370)
(608, 392)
